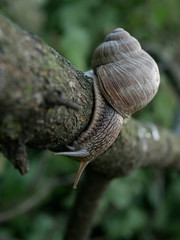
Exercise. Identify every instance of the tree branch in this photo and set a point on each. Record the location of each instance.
(86, 205)
(32, 76)
(140, 145)
(35, 84)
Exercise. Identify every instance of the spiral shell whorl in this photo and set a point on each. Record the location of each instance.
(116, 46)
(128, 76)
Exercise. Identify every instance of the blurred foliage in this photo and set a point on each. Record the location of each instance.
(142, 206)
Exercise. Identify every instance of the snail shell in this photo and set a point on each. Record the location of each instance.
(128, 76)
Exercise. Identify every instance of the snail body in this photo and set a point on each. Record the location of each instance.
(125, 79)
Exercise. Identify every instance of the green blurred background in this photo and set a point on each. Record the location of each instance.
(142, 206)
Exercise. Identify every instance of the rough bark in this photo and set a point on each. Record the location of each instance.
(35, 83)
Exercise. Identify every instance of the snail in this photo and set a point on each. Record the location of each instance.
(125, 79)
